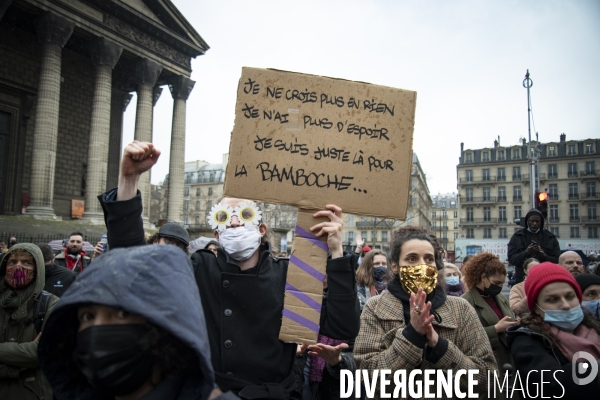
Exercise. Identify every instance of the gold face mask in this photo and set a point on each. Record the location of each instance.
(412, 277)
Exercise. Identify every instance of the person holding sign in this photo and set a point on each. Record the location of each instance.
(415, 326)
(242, 288)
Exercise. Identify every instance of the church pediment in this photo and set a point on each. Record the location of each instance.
(157, 18)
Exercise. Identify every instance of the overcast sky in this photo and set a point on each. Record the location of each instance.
(466, 60)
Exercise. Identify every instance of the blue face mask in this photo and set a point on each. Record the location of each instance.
(567, 320)
(452, 280)
(593, 307)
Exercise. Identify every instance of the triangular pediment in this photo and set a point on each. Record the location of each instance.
(141, 7)
(173, 19)
(158, 18)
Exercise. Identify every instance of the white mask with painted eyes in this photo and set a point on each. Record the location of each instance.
(247, 212)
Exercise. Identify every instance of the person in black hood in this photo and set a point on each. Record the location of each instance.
(532, 241)
(58, 279)
(131, 325)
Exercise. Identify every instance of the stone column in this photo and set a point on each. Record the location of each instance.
(120, 101)
(146, 75)
(53, 32)
(156, 92)
(104, 55)
(181, 87)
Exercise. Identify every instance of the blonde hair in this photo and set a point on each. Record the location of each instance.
(454, 267)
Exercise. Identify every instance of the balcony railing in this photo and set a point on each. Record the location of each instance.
(478, 179)
(517, 177)
(594, 219)
(517, 198)
(574, 218)
(552, 196)
(553, 176)
(485, 199)
(501, 199)
(478, 221)
(542, 177)
(554, 219)
(590, 196)
(502, 220)
(572, 174)
(590, 174)
(573, 196)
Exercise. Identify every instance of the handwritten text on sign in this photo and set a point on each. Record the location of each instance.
(308, 141)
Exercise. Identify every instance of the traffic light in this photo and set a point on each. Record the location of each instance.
(541, 203)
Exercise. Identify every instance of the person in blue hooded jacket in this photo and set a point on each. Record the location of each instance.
(131, 326)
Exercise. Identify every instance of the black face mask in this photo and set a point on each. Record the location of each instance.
(492, 290)
(115, 359)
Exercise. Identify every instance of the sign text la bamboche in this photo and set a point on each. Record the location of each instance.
(308, 140)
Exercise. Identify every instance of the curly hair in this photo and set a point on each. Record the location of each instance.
(410, 232)
(364, 273)
(483, 263)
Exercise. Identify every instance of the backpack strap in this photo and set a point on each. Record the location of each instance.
(39, 310)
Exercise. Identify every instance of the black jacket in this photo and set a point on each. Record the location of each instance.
(243, 309)
(531, 354)
(58, 279)
(156, 284)
(522, 239)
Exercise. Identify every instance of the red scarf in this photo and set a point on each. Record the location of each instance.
(582, 339)
(73, 261)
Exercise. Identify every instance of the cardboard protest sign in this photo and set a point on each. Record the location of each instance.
(304, 283)
(307, 140)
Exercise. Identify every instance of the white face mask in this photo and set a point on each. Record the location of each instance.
(240, 243)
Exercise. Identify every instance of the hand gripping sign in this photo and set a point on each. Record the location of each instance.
(307, 141)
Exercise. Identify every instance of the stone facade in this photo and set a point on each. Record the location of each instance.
(67, 71)
(494, 188)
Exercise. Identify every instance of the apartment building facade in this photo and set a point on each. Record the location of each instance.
(494, 188)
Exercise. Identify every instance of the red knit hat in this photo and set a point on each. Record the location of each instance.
(544, 274)
(366, 249)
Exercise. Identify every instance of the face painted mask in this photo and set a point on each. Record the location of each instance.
(452, 280)
(18, 277)
(240, 243)
(115, 359)
(412, 277)
(567, 320)
(492, 290)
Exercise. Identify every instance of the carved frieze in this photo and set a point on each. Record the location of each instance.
(146, 40)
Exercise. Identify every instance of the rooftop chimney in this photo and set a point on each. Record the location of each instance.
(495, 144)
(563, 137)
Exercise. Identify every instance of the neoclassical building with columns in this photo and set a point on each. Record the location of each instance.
(68, 69)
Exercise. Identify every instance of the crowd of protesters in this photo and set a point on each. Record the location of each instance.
(152, 322)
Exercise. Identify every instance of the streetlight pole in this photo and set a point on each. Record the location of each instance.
(528, 83)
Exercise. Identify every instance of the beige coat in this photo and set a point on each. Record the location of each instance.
(518, 300)
(381, 345)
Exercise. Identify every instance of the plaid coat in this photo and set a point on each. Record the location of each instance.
(381, 345)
